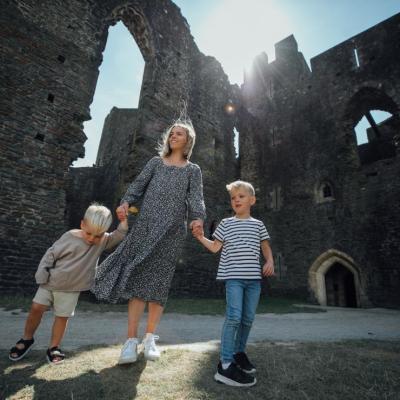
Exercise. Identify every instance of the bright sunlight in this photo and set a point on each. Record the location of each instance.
(238, 30)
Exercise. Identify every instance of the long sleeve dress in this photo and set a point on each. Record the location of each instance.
(143, 264)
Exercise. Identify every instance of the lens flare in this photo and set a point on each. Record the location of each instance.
(230, 108)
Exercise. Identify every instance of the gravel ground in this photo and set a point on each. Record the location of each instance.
(202, 333)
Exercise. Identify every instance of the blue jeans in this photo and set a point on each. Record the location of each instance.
(241, 303)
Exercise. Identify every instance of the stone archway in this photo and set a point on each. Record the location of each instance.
(382, 137)
(340, 286)
(335, 279)
(46, 104)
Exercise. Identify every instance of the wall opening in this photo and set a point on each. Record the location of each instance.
(280, 267)
(119, 83)
(368, 129)
(324, 192)
(276, 198)
(356, 58)
(340, 287)
(335, 280)
(236, 141)
(374, 119)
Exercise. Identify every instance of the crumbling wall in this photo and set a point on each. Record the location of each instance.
(307, 126)
(318, 191)
(53, 52)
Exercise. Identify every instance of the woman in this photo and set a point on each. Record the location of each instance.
(142, 267)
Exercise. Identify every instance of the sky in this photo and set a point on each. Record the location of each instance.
(234, 32)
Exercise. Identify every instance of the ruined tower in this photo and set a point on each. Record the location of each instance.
(332, 205)
(53, 52)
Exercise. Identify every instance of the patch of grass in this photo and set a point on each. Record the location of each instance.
(17, 302)
(313, 371)
(174, 305)
(217, 306)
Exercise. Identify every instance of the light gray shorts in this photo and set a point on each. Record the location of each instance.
(63, 303)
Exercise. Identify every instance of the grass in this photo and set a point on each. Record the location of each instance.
(311, 371)
(174, 305)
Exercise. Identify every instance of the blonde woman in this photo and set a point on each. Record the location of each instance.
(142, 267)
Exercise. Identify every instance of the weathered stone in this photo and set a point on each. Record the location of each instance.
(297, 136)
(331, 206)
(51, 52)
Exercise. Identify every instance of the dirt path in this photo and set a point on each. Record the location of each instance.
(200, 333)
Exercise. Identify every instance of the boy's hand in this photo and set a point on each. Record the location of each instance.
(268, 268)
(197, 231)
(121, 214)
(197, 228)
(123, 208)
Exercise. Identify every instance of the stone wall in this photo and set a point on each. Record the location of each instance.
(53, 50)
(325, 200)
(305, 122)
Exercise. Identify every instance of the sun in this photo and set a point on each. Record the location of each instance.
(238, 30)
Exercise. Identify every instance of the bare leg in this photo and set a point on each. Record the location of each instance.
(33, 320)
(31, 324)
(135, 311)
(155, 313)
(57, 333)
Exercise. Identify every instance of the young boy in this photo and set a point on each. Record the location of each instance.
(66, 269)
(240, 237)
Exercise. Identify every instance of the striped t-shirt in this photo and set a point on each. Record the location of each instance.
(241, 238)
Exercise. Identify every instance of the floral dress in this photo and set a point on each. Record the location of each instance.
(143, 265)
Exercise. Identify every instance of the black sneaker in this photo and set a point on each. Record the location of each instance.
(233, 376)
(243, 363)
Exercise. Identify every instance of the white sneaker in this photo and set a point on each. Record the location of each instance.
(151, 352)
(129, 352)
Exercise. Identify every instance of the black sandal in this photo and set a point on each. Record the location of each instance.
(21, 353)
(55, 356)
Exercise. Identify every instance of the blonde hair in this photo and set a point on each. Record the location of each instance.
(99, 217)
(163, 148)
(241, 185)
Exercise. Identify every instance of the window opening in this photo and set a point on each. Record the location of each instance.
(356, 58)
(326, 191)
(236, 141)
(118, 85)
(371, 120)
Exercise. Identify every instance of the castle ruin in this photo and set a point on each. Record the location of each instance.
(332, 206)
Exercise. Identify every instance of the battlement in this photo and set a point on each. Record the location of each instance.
(286, 47)
(381, 42)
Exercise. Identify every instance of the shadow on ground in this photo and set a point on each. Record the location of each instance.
(285, 371)
(346, 370)
(78, 378)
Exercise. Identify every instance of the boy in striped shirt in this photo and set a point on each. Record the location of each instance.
(240, 238)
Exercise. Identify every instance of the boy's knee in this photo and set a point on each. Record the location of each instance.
(234, 322)
(61, 318)
(247, 322)
(37, 308)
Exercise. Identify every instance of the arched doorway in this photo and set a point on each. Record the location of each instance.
(340, 287)
(335, 280)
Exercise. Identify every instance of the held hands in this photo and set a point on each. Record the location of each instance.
(197, 228)
(122, 211)
(268, 268)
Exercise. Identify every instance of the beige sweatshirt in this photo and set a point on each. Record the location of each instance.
(70, 263)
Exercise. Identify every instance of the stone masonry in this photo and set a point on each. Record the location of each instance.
(331, 206)
(50, 55)
(327, 200)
